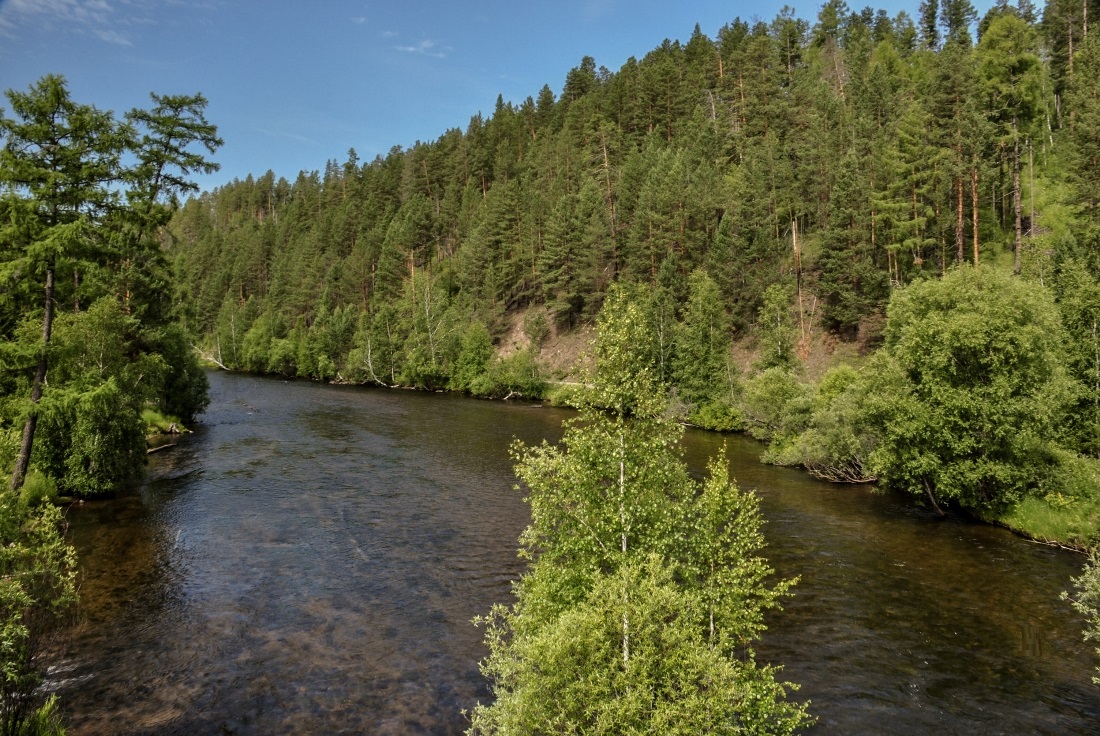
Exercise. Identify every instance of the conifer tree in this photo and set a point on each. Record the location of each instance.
(59, 162)
(1012, 76)
(1083, 102)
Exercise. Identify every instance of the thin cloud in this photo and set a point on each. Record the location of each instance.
(57, 11)
(426, 47)
(597, 9)
(112, 37)
(359, 20)
(100, 18)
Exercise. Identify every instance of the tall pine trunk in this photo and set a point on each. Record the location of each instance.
(974, 205)
(22, 461)
(1016, 206)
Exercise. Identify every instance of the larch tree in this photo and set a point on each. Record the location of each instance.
(58, 168)
(1012, 78)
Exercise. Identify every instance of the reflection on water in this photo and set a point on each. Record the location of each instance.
(309, 562)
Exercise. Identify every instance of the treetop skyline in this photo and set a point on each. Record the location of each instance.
(292, 88)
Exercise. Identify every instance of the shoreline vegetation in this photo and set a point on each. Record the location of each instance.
(1042, 521)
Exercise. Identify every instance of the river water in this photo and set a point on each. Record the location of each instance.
(310, 559)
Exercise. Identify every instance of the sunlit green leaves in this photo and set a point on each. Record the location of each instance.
(970, 389)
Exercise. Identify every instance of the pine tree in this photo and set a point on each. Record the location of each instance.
(1083, 102)
(1012, 76)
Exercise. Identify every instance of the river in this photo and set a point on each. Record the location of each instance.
(310, 559)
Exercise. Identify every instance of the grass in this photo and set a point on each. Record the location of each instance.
(1068, 513)
(1050, 519)
(158, 423)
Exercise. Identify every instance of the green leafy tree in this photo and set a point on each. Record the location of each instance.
(640, 601)
(83, 199)
(1078, 295)
(1083, 100)
(704, 372)
(473, 357)
(776, 329)
(971, 387)
(1086, 600)
(839, 439)
(57, 166)
(1013, 80)
(93, 438)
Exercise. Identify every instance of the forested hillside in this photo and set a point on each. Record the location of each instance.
(774, 188)
(837, 160)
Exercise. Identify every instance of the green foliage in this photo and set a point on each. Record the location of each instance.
(83, 199)
(645, 590)
(839, 439)
(1078, 295)
(38, 489)
(47, 720)
(776, 329)
(183, 389)
(536, 328)
(702, 366)
(1065, 508)
(568, 677)
(1086, 600)
(1083, 101)
(37, 593)
(626, 374)
(157, 422)
(473, 357)
(970, 390)
(516, 375)
(776, 404)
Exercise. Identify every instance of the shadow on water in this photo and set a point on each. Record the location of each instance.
(310, 560)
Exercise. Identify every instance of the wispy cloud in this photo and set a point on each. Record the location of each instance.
(359, 20)
(426, 47)
(111, 36)
(100, 18)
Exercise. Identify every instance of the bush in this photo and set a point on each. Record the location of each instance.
(776, 405)
(516, 375)
(37, 593)
(839, 440)
(969, 390)
(536, 327)
(38, 489)
(719, 416)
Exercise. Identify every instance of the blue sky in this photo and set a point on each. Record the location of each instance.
(292, 84)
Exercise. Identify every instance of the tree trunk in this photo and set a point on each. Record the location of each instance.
(974, 207)
(22, 461)
(622, 519)
(1016, 200)
(932, 498)
(960, 219)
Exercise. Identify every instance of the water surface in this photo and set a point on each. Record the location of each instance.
(309, 562)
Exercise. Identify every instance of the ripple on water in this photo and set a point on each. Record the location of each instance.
(310, 559)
